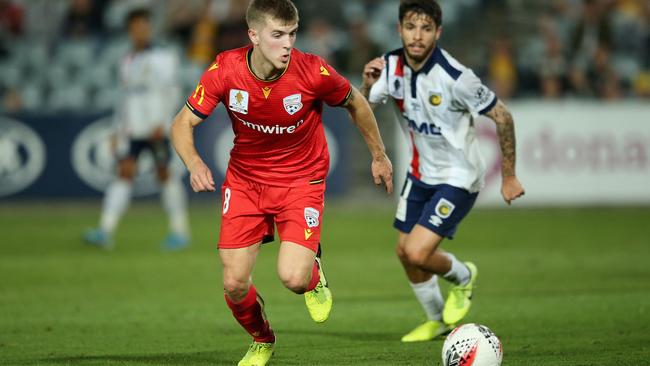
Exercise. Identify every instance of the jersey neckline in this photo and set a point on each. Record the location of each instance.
(249, 54)
(433, 59)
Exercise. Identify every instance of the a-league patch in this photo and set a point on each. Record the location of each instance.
(311, 216)
(238, 101)
(482, 96)
(292, 103)
(444, 208)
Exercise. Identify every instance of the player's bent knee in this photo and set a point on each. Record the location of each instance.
(416, 257)
(235, 289)
(295, 283)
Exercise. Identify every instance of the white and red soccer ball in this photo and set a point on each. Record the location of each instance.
(472, 345)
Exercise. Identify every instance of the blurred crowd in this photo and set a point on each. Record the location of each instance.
(62, 55)
(580, 48)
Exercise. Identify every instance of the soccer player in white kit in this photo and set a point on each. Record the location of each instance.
(439, 100)
(148, 94)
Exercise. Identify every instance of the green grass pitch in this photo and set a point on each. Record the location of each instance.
(558, 286)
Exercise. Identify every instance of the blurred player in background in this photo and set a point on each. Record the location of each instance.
(274, 95)
(143, 116)
(439, 100)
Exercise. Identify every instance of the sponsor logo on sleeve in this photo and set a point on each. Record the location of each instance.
(199, 94)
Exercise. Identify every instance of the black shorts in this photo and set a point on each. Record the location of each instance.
(160, 150)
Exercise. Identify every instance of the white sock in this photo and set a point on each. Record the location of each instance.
(174, 200)
(116, 201)
(429, 296)
(459, 273)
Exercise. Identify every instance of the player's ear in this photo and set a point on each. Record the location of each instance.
(438, 33)
(253, 36)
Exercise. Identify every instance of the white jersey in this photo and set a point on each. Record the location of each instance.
(438, 104)
(149, 92)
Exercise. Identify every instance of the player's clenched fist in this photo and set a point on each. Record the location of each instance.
(201, 178)
(511, 189)
(372, 71)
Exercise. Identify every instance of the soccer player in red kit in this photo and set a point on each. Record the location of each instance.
(274, 96)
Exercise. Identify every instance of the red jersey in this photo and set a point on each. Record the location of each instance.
(279, 136)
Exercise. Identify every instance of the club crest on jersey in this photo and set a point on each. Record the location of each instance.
(396, 86)
(238, 101)
(444, 208)
(311, 217)
(292, 103)
(435, 99)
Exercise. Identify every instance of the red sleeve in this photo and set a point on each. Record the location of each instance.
(208, 91)
(330, 86)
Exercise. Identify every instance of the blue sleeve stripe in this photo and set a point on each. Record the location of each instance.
(489, 106)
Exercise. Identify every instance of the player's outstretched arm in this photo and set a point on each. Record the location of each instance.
(364, 119)
(511, 188)
(182, 134)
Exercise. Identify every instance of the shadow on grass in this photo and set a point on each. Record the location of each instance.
(193, 358)
(355, 336)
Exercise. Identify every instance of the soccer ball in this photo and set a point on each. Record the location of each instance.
(472, 345)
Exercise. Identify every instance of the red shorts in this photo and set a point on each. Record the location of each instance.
(250, 211)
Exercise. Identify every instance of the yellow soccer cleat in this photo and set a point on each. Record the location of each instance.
(319, 300)
(427, 331)
(460, 298)
(258, 354)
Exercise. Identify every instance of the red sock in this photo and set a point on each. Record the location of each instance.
(248, 313)
(315, 277)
